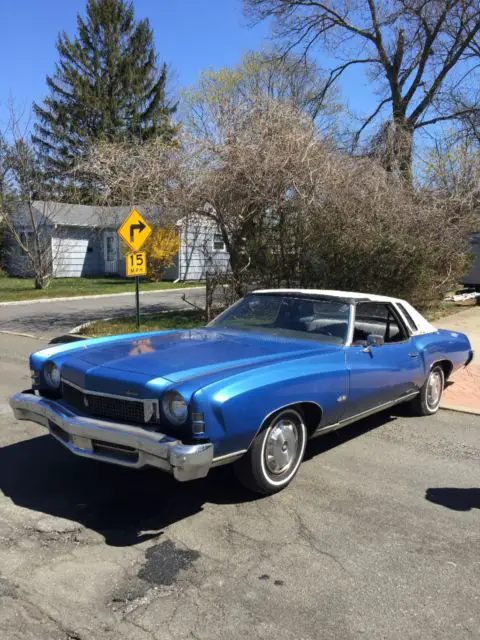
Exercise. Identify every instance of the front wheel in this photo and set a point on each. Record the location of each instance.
(275, 454)
(428, 400)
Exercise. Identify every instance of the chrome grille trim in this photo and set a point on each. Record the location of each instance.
(151, 406)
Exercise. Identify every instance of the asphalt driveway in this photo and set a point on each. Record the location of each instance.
(378, 537)
(57, 317)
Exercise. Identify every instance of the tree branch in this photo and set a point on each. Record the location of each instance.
(335, 18)
(452, 116)
(370, 118)
(452, 58)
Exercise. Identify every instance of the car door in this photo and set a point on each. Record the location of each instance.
(379, 375)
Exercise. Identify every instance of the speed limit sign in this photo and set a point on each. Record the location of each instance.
(136, 264)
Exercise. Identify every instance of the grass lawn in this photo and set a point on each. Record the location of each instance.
(12, 289)
(188, 319)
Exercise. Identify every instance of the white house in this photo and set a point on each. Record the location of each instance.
(83, 241)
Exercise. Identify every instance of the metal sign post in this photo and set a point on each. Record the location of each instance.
(134, 231)
(137, 300)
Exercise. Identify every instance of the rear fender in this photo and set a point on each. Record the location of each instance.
(443, 345)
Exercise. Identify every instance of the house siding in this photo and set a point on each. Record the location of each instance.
(77, 252)
(197, 254)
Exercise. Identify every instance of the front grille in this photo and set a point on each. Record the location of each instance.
(112, 408)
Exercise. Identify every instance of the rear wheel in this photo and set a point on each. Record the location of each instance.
(428, 400)
(275, 454)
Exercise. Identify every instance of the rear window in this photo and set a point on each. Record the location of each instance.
(407, 316)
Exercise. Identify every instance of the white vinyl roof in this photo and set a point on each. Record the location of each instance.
(423, 326)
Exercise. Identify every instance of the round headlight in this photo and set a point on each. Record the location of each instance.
(175, 407)
(52, 375)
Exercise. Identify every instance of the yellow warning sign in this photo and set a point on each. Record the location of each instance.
(134, 230)
(136, 264)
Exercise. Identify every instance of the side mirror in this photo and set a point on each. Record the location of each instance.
(375, 340)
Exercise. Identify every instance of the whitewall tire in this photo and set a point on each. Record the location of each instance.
(275, 455)
(428, 400)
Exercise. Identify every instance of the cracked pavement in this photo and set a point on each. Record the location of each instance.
(378, 537)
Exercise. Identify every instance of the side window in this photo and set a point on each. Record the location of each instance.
(378, 318)
(406, 315)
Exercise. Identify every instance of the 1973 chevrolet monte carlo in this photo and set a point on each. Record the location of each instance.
(276, 368)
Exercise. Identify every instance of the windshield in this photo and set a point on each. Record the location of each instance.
(300, 317)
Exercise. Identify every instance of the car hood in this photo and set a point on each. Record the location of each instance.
(181, 355)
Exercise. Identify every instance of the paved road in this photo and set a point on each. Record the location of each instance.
(378, 538)
(54, 318)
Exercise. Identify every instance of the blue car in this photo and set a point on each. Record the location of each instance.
(270, 372)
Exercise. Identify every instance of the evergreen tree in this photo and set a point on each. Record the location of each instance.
(106, 85)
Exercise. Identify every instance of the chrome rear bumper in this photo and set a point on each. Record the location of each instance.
(108, 441)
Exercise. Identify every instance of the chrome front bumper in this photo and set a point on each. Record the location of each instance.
(108, 441)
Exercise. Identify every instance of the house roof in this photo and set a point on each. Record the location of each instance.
(78, 215)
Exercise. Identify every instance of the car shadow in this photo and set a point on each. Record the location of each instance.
(453, 498)
(322, 444)
(126, 506)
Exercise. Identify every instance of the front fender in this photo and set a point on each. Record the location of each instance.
(235, 408)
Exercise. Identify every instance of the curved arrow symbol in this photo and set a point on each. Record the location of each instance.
(136, 227)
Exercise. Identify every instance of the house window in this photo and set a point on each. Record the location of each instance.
(218, 243)
(27, 240)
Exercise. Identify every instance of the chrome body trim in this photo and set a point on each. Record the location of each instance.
(150, 404)
(114, 442)
(228, 457)
(351, 326)
(285, 406)
(364, 414)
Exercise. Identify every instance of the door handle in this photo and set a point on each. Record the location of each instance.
(413, 354)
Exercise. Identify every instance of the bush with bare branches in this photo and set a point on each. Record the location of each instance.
(293, 210)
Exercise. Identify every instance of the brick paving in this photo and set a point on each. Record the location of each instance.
(463, 389)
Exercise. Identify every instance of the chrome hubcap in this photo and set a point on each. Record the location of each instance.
(434, 389)
(281, 447)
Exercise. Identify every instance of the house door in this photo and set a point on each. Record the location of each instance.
(110, 251)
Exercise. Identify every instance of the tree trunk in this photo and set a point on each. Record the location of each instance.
(39, 282)
(404, 147)
(42, 280)
(398, 149)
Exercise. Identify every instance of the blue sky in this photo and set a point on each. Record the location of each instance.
(190, 35)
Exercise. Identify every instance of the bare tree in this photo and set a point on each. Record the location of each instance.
(131, 173)
(294, 210)
(245, 166)
(452, 170)
(413, 51)
(263, 75)
(23, 209)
